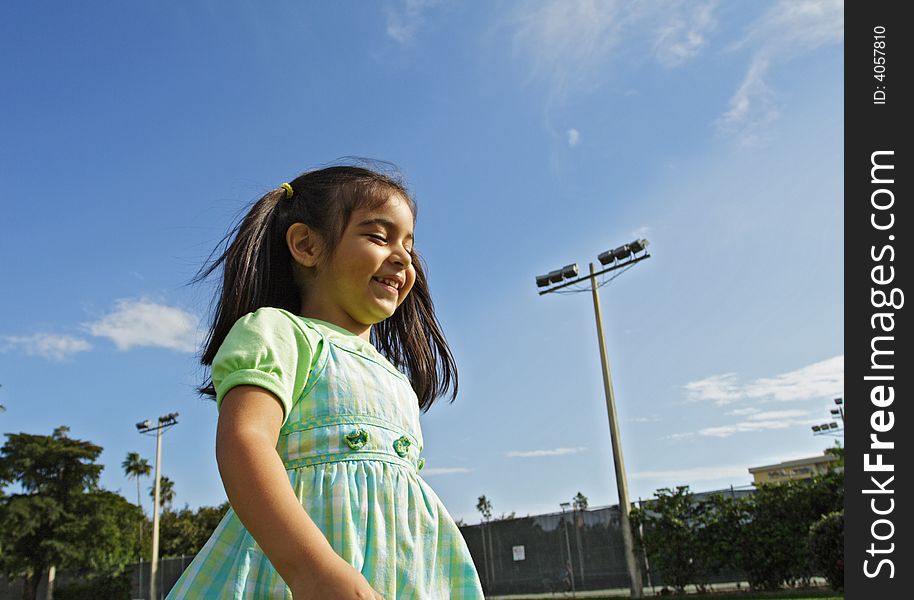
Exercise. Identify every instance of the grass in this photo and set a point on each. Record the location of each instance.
(775, 595)
(806, 594)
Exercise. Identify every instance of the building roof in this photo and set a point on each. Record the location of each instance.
(822, 458)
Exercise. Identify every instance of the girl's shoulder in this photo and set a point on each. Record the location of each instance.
(269, 318)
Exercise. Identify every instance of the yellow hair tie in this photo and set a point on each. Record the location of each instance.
(288, 189)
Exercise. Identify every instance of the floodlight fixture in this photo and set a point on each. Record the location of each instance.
(839, 401)
(555, 276)
(815, 428)
(143, 425)
(833, 425)
(570, 271)
(638, 245)
(542, 280)
(623, 251)
(836, 411)
(605, 257)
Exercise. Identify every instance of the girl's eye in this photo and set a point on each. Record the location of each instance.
(377, 237)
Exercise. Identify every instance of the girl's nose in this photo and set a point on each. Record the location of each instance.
(402, 257)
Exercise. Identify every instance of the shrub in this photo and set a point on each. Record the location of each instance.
(112, 587)
(826, 548)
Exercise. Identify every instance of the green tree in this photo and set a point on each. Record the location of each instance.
(670, 540)
(579, 501)
(775, 547)
(718, 533)
(135, 467)
(59, 516)
(484, 506)
(837, 451)
(166, 492)
(184, 532)
(826, 548)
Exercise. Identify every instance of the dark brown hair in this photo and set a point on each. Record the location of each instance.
(257, 271)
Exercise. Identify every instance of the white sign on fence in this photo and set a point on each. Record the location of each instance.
(518, 552)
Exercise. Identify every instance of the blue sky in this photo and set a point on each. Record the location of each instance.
(533, 135)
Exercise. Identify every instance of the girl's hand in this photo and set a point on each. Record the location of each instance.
(337, 580)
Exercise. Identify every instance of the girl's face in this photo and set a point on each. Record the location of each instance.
(375, 245)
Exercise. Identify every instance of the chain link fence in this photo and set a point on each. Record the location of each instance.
(556, 552)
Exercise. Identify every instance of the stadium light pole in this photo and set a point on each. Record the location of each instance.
(619, 258)
(144, 427)
(832, 428)
(839, 412)
(568, 568)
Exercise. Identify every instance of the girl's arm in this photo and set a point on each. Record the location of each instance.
(258, 489)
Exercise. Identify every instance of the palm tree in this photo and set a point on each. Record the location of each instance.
(136, 467)
(166, 492)
(484, 506)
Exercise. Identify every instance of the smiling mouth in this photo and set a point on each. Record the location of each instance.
(389, 288)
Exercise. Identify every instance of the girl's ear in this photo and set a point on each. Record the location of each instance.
(304, 244)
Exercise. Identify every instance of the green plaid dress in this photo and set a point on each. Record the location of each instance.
(351, 443)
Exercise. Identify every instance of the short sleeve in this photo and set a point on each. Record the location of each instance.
(267, 348)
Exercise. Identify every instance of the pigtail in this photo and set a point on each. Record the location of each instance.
(257, 272)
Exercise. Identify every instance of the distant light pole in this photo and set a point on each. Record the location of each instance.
(165, 422)
(621, 257)
(839, 412)
(832, 428)
(568, 568)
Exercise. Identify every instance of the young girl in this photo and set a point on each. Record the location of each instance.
(323, 303)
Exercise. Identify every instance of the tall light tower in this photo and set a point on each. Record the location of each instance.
(620, 258)
(832, 428)
(146, 427)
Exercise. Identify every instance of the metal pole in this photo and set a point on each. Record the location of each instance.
(154, 563)
(485, 556)
(634, 570)
(647, 562)
(577, 540)
(568, 568)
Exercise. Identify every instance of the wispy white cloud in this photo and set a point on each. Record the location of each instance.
(683, 34)
(762, 421)
(720, 389)
(404, 18)
(752, 107)
(549, 452)
(47, 345)
(574, 137)
(140, 322)
(741, 412)
(788, 29)
(686, 476)
(650, 419)
(445, 471)
(793, 26)
(570, 44)
(818, 380)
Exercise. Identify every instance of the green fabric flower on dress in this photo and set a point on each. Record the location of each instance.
(421, 463)
(357, 439)
(401, 445)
